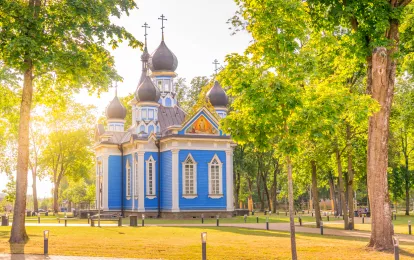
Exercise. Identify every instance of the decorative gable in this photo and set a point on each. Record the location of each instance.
(202, 123)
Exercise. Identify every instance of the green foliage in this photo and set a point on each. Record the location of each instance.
(10, 190)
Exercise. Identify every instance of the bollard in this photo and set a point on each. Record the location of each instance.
(202, 218)
(92, 223)
(89, 217)
(328, 218)
(46, 242)
(396, 248)
(66, 222)
(217, 221)
(252, 212)
(245, 218)
(395, 216)
(38, 219)
(143, 219)
(300, 221)
(120, 222)
(286, 213)
(363, 220)
(312, 214)
(204, 246)
(257, 219)
(267, 223)
(321, 228)
(409, 227)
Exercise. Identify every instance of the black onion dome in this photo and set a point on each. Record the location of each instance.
(147, 91)
(163, 59)
(217, 96)
(115, 109)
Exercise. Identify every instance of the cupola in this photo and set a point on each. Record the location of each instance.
(217, 96)
(163, 59)
(147, 91)
(115, 109)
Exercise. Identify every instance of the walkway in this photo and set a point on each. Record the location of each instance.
(54, 257)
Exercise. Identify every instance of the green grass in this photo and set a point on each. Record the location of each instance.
(185, 243)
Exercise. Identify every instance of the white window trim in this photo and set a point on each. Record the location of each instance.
(151, 160)
(189, 196)
(128, 180)
(210, 195)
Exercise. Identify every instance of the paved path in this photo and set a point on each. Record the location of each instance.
(55, 257)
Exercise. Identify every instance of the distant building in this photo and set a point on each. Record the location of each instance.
(167, 163)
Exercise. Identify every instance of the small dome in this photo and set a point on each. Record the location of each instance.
(163, 59)
(116, 110)
(147, 91)
(217, 96)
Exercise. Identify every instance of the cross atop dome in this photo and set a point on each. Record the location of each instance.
(162, 18)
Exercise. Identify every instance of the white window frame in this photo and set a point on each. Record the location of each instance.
(136, 178)
(144, 114)
(151, 114)
(194, 164)
(128, 180)
(220, 194)
(154, 191)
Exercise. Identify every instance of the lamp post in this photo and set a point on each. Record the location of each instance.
(143, 219)
(204, 246)
(46, 242)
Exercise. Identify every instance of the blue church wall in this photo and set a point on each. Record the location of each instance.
(182, 131)
(114, 182)
(202, 201)
(151, 204)
(127, 202)
(166, 180)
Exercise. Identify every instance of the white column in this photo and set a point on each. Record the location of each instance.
(229, 180)
(133, 181)
(175, 181)
(98, 172)
(105, 182)
(141, 174)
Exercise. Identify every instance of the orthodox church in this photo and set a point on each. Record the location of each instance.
(167, 164)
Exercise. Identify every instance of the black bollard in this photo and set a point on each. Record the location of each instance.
(217, 221)
(120, 222)
(312, 214)
(257, 219)
(267, 223)
(409, 227)
(46, 242)
(321, 228)
(395, 216)
(396, 249)
(363, 220)
(252, 212)
(38, 219)
(300, 221)
(66, 222)
(328, 218)
(245, 218)
(204, 246)
(143, 219)
(202, 218)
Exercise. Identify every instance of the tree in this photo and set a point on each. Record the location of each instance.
(57, 46)
(376, 35)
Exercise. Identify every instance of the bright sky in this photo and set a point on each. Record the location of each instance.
(195, 30)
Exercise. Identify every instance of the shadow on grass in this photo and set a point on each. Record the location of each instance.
(406, 253)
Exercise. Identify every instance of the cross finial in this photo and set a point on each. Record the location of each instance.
(216, 63)
(162, 18)
(146, 26)
(116, 89)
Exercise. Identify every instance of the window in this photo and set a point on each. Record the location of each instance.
(189, 176)
(128, 179)
(142, 129)
(168, 102)
(151, 177)
(167, 85)
(215, 171)
(151, 114)
(144, 114)
(136, 178)
(159, 84)
(150, 129)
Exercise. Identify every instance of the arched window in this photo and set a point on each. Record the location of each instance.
(128, 179)
(151, 177)
(215, 173)
(150, 129)
(141, 129)
(167, 102)
(189, 176)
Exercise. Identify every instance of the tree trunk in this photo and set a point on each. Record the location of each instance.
(315, 195)
(332, 192)
(341, 189)
(18, 231)
(35, 202)
(237, 190)
(310, 199)
(274, 190)
(266, 189)
(56, 198)
(291, 209)
(350, 181)
(250, 198)
(407, 187)
(383, 78)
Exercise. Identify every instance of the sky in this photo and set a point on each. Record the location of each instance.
(196, 31)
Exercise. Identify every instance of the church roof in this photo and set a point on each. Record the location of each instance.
(169, 116)
(115, 109)
(147, 91)
(217, 96)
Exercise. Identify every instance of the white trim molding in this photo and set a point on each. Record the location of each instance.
(190, 164)
(215, 161)
(175, 180)
(105, 190)
(229, 180)
(151, 190)
(141, 195)
(128, 187)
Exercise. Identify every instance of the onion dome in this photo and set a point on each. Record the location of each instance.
(163, 59)
(147, 91)
(217, 96)
(144, 58)
(115, 109)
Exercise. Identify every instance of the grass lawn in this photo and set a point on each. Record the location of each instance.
(185, 243)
